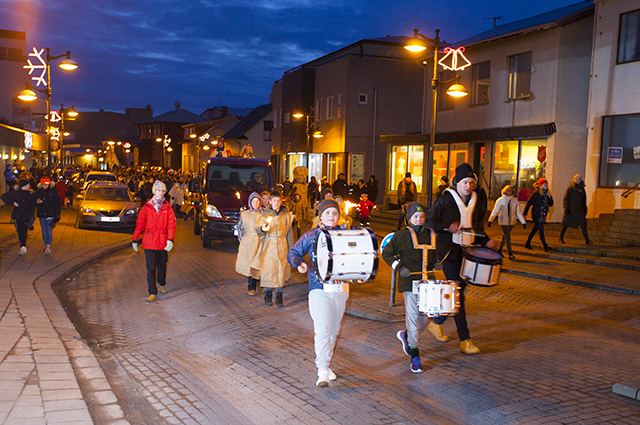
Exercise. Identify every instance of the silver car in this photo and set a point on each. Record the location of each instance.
(107, 205)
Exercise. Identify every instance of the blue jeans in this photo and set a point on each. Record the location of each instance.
(47, 231)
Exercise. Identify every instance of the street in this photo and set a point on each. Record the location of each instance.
(208, 353)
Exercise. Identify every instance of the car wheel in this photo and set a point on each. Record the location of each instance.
(206, 241)
(196, 223)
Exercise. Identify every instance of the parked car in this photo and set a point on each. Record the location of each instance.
(107, 205)
(227, 184)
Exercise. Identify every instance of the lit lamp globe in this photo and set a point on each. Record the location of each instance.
(457, 90)
(415, 44)
(68, 64)
(297, 115)
(27, 95)
(318, 134)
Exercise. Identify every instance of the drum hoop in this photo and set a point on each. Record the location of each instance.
(376, 258)
(481, 260)
(327, 237)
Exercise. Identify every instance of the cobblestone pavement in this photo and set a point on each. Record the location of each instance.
(207, 353)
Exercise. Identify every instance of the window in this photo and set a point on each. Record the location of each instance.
(406, 159)
(629, 40)
(618, 166)
(480, 74)
(444, 100)
(318, 110)
(363, 99)
(519, 84)
(155, 152)
(330, 107)
(287, 118)
(339, 99)
(519, 163)
(268, 127)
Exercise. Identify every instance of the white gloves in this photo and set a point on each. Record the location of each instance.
(169, 246)
(134, 245)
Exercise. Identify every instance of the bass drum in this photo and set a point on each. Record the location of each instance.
(346, 255)
(481, 266)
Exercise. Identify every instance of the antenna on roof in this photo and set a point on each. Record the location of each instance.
(177, 105)
(495, 19)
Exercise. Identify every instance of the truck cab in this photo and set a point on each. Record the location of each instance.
(225, 189)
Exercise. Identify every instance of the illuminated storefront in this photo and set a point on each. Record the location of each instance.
(519, 163)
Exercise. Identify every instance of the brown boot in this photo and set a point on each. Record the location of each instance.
(436, 331)
(467, 347)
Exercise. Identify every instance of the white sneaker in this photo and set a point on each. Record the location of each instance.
(323, 378)
(47, 251)
(332, 376)
(23, 250)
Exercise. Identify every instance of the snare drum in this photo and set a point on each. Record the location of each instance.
(346, 255)
(481, 266)
(438, 297)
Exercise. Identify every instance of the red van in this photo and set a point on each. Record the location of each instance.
(226, 186)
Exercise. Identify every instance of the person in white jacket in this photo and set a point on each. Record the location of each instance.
(507, 209)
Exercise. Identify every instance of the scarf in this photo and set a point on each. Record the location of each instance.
(544, 208)
(157, 203)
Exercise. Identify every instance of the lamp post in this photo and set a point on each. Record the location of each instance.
(68, 114)
(417, 44)
(311, 130)
(44, 64)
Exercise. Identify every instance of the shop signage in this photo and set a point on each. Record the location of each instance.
(614, 155)
(28, 140)
(542, 153)
(636, 152)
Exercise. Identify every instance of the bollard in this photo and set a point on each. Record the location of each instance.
(392, 296)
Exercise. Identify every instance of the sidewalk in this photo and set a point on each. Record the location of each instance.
(41, 354)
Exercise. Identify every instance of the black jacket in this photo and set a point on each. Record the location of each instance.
(442, 215)
(23, 213)
(575, 206)
(400, 247)
(535, 203)
(51, 203)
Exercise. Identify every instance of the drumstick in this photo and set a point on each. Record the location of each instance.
(480, 235)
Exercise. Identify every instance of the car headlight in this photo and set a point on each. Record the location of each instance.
(213, 212)
(86, 210)
(132, 211)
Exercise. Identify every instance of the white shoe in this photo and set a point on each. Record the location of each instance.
(323, 378)
(23, 250)
(47, 251)
(332, 376)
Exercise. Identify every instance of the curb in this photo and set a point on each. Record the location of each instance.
(574, 282)
(628, 388)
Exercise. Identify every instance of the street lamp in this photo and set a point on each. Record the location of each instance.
(66, 114)
(311, 130)
(418, 43)
(44, 64)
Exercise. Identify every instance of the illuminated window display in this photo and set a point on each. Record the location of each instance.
(406, 159)
(518, 163)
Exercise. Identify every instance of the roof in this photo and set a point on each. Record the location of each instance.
(237, 161)
(181, 116)
(554, 18)
(246, 123)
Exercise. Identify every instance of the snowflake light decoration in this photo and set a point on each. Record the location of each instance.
(204, 137)
(167, 141)
(54, 132)
(454, 56)
(42, 65)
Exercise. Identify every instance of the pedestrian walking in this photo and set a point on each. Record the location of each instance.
(453, 211)
(248, 260)
(49, 206)
(372, 189)
(69, 193)
(407, 193)
(156, 224)
(507, 209)
(340, 186)
(24, 206)
(177, 194)
(365, 206)
(575, 208)
(10, 176)
(61, 187)
(326, 308)
(539, 202)
(275, 226)
(403, 257)
(444, 184)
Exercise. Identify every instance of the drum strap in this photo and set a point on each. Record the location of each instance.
(466, 215)
(425, 248)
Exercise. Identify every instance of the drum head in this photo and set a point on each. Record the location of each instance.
(483, 255)
(321, 260)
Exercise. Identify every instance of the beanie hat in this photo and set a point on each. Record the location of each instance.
(463, 171)
(407, 175)
(325, 191)
(158, 185)
(413, 208)
(23, 182)
(326, 204)
(45, 180)
(542, 180)
(444, 179)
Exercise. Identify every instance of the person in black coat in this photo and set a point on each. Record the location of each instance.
(575, 208)
(540, 201)
(24, 205)
(372, 189)
(340, 186)
(447, 220)
(49, 205)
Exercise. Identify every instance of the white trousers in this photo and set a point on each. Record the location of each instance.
(413, 320)
(326, 311)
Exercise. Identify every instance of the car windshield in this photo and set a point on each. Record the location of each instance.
(224, 178)
(101, 177)
(108, 194)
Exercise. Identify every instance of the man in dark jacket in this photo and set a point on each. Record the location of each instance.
(575, 208)
(453, 211)
(22, 213)
(407, 193)
(372, 189)
(339, 186)
(49, 205)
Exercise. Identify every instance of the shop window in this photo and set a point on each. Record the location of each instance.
(458, 154)
(618, 164)
(480, 75)
(444, 100)
(406, 159)
(629, 41)
(336, 164)
(440, 163)
(519, 163)
(519, 83)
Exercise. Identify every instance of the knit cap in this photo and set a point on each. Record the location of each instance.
(463, 171)
(158, 185)
(542, 180)
(413, 208)
(326, 204)
(22, 183)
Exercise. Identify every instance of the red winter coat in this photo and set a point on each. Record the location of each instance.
(156, 228)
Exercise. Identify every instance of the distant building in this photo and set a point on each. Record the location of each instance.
(201, 139)
(254, 131)
(222, 111)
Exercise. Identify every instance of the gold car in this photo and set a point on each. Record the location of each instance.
(107, 205)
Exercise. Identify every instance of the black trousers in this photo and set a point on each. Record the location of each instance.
(22, 229)
(156, 263)
(538, 226)
(452, 272)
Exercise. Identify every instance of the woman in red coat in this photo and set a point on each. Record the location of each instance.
(157, 225)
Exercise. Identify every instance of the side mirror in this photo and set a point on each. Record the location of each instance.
(79, 197)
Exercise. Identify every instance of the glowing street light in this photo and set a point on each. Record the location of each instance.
(312, 130)
(43, 65)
